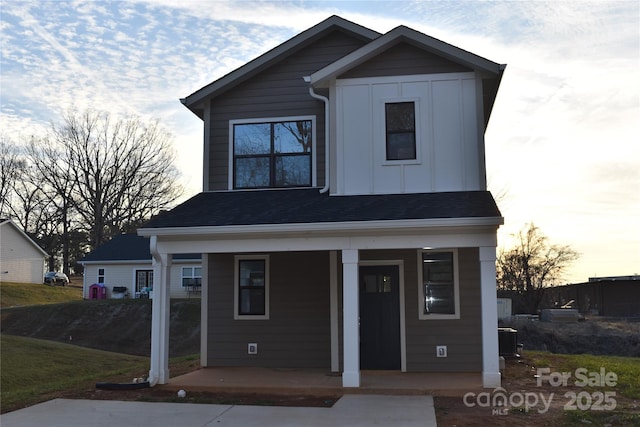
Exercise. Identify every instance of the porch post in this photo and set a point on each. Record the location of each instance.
(204, 311)
(333, 310)
(351, 330)
(489, 301)
(159, 371)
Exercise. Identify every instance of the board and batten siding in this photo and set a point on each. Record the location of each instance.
(448, 135)
(278, 91)
(297, 333)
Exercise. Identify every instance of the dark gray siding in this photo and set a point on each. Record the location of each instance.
(278, 91)
(297, 334)
(461, 336)
(404, 59)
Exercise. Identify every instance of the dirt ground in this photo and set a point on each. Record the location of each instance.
(553, 405)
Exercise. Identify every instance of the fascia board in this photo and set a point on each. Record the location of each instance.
(255, 65)
(116, 261)
(322, 77)
(355, 227)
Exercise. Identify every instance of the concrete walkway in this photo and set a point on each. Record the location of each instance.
(350, 410)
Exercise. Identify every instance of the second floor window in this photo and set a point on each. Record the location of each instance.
(400, 124)
(272, 154)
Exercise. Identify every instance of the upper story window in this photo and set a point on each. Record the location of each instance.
(274, 153)
(400, 126)
(101, 275)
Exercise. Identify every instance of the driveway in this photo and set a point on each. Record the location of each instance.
(349, 410)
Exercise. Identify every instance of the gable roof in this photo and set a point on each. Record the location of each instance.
(308, 206)
(491, 72)
(126, 248)
(250, 69)
(29, 240)
(321, 78)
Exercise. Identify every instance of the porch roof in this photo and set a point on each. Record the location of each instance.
(304, 206)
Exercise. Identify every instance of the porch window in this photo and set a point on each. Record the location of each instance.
(252, 287)
(191, 276)
(400, 126)
(439, 294)
(274, 153)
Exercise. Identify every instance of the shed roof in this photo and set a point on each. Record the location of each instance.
(308, 205)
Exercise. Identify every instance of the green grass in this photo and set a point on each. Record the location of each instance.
(626, 368)
(33, 369)
(21, 294)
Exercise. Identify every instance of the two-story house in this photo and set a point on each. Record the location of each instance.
(345, 222)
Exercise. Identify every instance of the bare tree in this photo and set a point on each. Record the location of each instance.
(532, 265)
(10, 167)
(122, 170)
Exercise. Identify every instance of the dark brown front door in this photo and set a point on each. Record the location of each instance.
(379, 317)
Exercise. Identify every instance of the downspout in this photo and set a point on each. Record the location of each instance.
(153, 248)
(326, 133)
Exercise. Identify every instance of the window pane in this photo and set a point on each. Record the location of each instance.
(400, 116)
(251, 139)
(252, 172)
(401, 146)
(197, 272)
(400, 130)
(252, 272)
(439, 297)
(293, 171)
(292, 137)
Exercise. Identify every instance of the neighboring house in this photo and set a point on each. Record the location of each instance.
(603, 296)
(21, 259)
(125, 262)
(345, 221)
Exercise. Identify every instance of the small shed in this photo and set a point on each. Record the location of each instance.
(97, 291)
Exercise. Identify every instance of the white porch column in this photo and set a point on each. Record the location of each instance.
(204, 311)
(333, 310)
(351, 313)
(159, 371)
(489, 301)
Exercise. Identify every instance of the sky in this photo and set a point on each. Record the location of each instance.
(562, 145)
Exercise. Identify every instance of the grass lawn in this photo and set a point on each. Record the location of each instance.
(34, 369)
(20, 294)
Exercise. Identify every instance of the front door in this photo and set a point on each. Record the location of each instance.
(379, 317)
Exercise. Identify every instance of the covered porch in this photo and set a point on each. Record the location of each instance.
(319, 382)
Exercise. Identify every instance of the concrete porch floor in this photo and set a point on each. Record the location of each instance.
(322, 382)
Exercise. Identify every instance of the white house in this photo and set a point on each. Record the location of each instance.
(124, 263)
(21, 259)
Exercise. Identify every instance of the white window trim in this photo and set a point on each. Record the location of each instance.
(236, 287)
(383, 148)
(456, 287)
(273, 120)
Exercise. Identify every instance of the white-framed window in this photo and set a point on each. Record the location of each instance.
(401, 131)
(251, 287)
(272, 152)
(438, 284)
(101, 275)
(191, 276)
